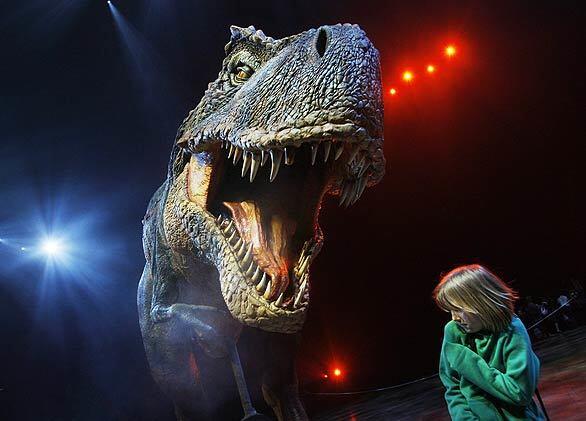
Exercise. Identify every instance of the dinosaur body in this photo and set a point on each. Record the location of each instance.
(231, 234)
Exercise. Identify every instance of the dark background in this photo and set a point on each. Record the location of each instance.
(485, 164)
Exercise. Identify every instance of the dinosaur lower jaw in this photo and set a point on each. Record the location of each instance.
(274, 293)
(241, 293)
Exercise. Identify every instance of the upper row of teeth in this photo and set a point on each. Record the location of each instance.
(261, 280)
(352, 190)
(253, 160)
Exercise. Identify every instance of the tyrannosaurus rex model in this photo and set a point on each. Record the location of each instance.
(231, 234)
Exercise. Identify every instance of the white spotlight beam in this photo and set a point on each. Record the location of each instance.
(53, 247)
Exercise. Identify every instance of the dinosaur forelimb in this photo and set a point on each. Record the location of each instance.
(214, 343)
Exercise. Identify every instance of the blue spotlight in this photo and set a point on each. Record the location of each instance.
(139, 53)
(53, 247)
(144, 63)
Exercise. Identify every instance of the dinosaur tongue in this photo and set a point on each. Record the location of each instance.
(271, 234)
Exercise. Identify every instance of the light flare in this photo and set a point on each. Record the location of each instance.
(52, 247)
(408, 76)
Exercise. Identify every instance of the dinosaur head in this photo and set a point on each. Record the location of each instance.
(286, 122)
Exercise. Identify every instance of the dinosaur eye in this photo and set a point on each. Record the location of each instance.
(241, 74)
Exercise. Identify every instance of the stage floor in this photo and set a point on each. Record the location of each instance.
(562, 386)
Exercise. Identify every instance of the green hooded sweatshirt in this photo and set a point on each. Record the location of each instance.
(489, 376)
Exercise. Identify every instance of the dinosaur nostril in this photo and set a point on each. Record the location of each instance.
(321, 42)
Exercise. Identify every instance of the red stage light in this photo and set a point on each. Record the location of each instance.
(430, 68)
(325, 376)
(450, 51)
(407, 76)
(337, 372)
(393, 91)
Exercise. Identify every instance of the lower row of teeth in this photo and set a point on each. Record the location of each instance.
(249, 267)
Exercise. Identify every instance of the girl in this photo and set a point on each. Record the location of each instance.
(487, 365)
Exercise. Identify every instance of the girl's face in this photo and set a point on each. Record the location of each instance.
(468, 321)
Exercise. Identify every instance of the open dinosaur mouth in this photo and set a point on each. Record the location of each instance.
(266, 204)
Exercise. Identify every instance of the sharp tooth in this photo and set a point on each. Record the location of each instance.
(229, 227)
(256, 274)
(267, 293)
(289, 155)
(361, 186)
(262, 284)
(231, 152)
(303, 265)
(327, 147)
(279, 300)
(344, 194)
(264, 156)
(254, 165)
(301, 292)
(339, 150)
(353, 195)
(232, 237)
(220, 219)
(238, 244)
(250, 269)
(353, 153)
(313, 152)
(237, 155)
(302, 255)
(241, 249)
(306, 263)
(363, 169)
(276, 156)
(246, 163)
(248, 254)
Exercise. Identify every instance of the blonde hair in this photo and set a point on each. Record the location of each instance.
(475, 289)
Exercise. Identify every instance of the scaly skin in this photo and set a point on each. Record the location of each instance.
(228, 238)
